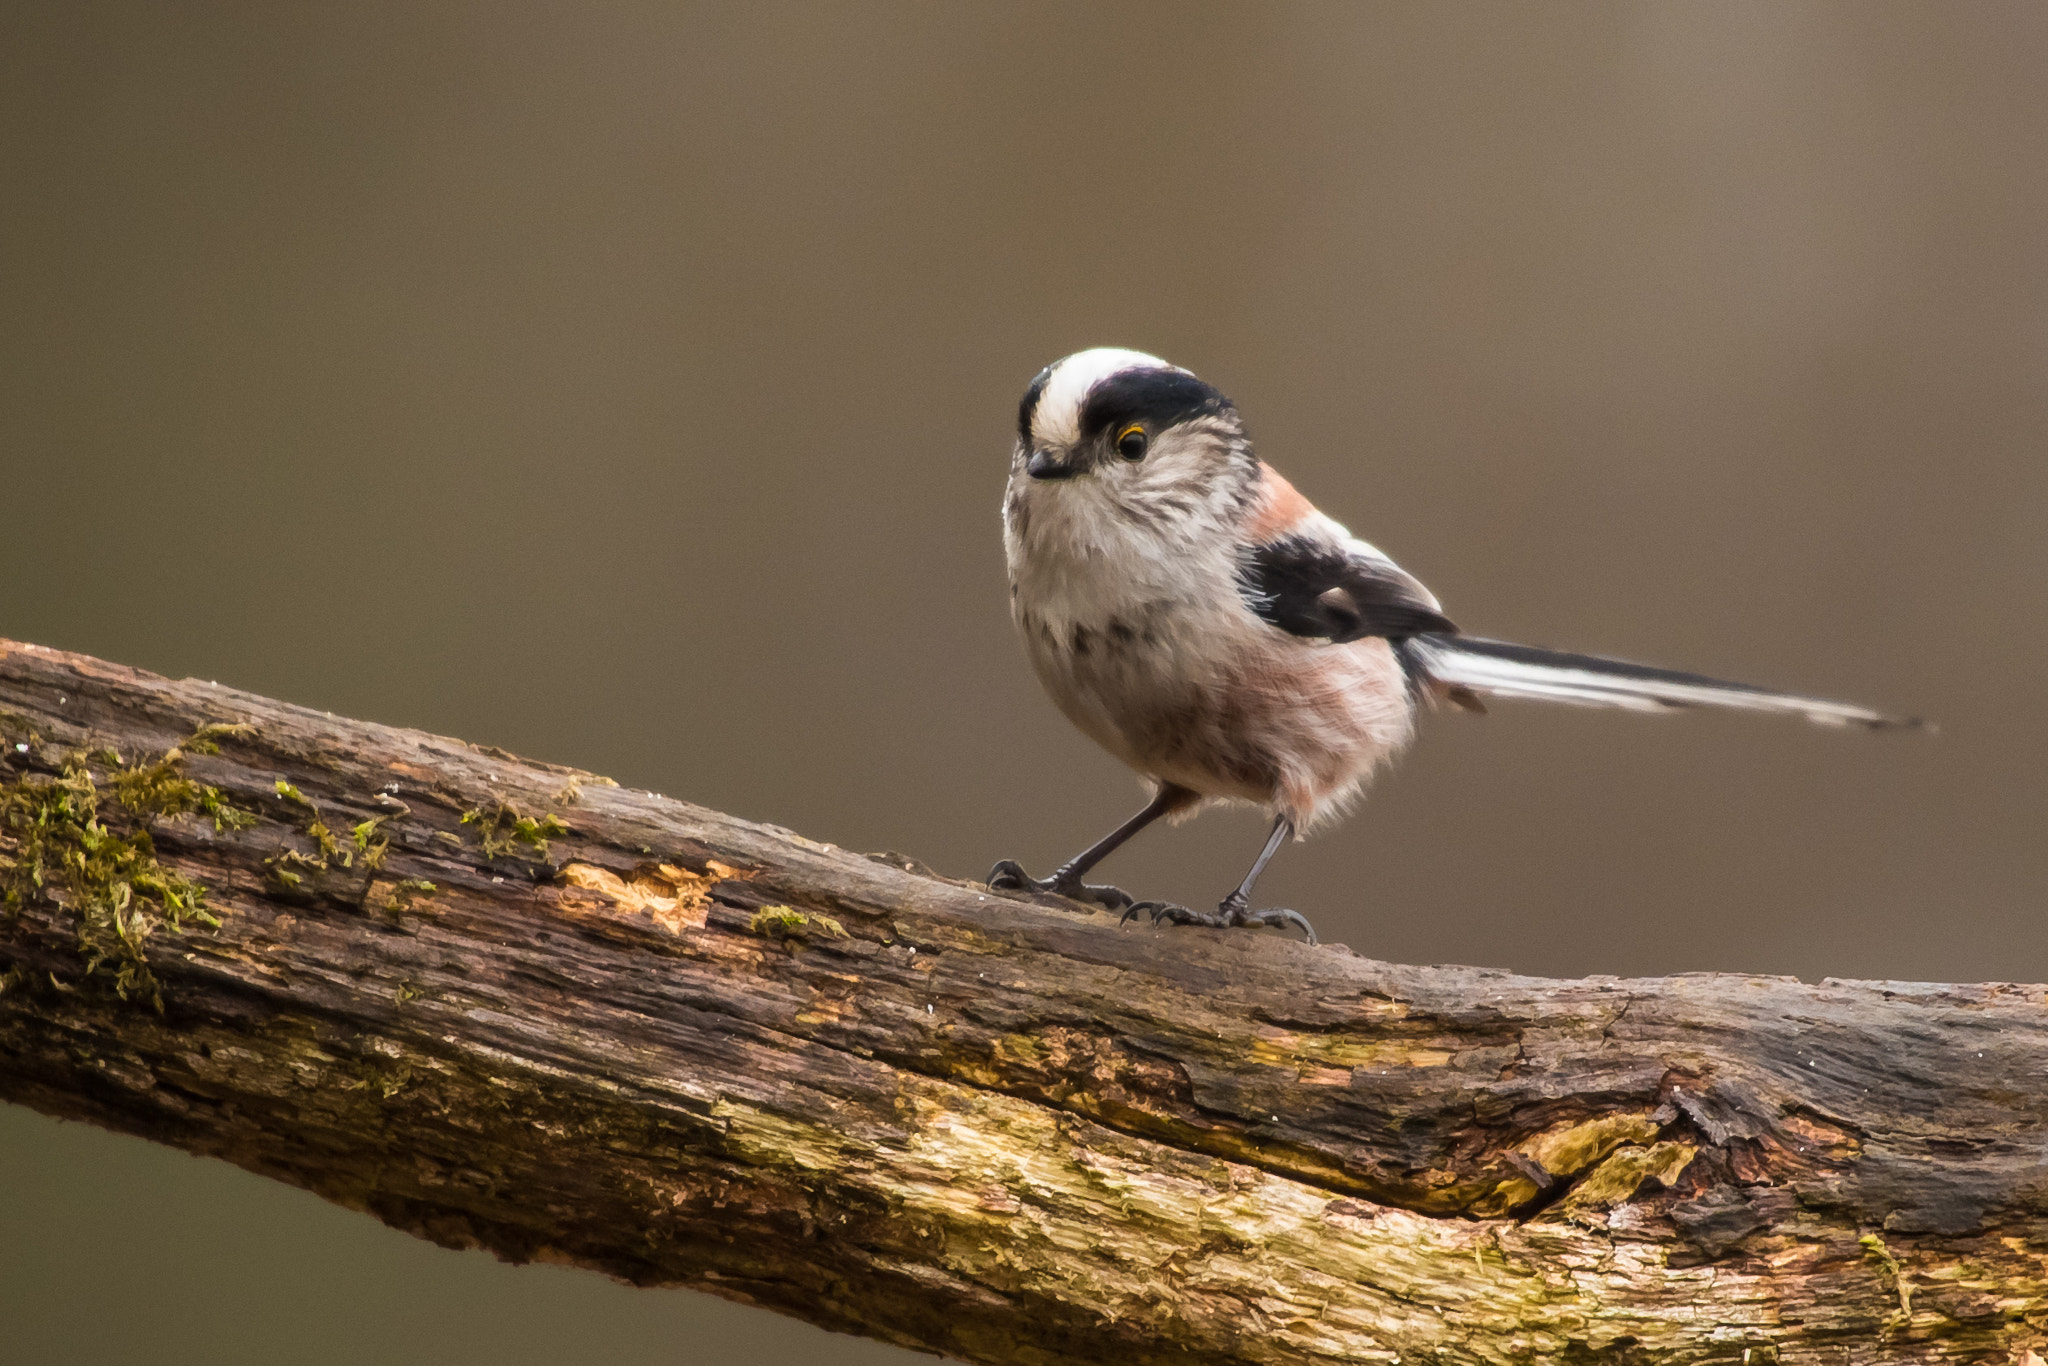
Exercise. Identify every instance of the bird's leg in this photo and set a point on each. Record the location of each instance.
(1235, 905)
(1009, 875)
(1233, 911)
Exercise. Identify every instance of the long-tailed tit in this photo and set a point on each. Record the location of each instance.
(1200, 620)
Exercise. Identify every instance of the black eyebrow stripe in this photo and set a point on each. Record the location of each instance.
(1158, 398)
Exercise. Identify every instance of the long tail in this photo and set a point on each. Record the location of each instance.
(1460, 666)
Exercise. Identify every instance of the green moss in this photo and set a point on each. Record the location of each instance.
(405, 896)
(111, 878)
(386, 1079)
(501, 828)
(206, 740)
(393, 901)
(284, 866)
(161, 788)
(572, 791)
(786, 922)
(1874, 1248)
(329, 849)
(370, 841)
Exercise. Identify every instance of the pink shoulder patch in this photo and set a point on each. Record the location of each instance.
(1279, 510)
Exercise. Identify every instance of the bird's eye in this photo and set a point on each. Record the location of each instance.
(1130, 442)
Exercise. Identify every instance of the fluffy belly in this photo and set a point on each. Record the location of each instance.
(1288, 723)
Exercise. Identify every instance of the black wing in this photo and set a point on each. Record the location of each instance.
(1335, 590)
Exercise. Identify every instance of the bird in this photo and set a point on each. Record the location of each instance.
(1197, 617)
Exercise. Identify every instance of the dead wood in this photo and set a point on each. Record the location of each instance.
(508, 1005)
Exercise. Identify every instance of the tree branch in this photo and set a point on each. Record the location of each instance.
(507, 1005)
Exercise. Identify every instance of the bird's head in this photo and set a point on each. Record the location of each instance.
(1128, 429)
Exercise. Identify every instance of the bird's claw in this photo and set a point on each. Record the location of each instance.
(1009, 876)
(1229, 915)
(1155, 908)
(1101, 893)
(1279, 918)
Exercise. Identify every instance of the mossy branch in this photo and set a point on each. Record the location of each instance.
(516, 1007)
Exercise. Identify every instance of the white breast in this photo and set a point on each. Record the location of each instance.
(1143, 640)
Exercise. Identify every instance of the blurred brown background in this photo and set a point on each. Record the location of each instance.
(631, 385)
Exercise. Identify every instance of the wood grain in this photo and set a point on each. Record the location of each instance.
(682, 1049)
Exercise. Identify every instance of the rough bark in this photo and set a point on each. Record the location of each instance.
(635, 1035)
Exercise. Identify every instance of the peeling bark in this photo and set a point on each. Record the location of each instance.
(507, 1005)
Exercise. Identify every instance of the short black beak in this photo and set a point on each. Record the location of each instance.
(1042, 465)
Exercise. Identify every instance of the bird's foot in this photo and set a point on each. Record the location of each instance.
(1231, 914)
(1009, 876)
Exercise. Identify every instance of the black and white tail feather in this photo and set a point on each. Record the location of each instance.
(1495, 668)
